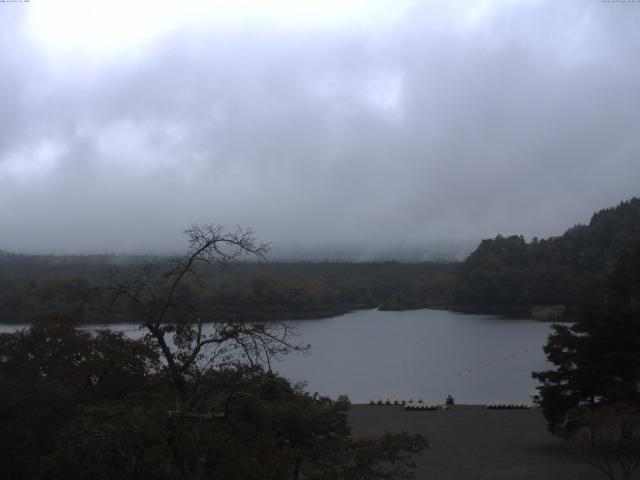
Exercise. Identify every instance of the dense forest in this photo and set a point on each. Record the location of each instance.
(34, 287)
(571, 270)
(550, 278)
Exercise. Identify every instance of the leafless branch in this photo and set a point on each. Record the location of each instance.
(172, 321)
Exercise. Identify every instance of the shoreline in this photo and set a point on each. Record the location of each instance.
(518, 313)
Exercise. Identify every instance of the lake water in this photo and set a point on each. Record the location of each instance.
(420, 354)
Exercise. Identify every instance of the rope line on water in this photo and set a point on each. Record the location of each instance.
(496, 362)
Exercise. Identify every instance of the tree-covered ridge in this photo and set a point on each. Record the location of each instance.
(569, 270)
(35, 287)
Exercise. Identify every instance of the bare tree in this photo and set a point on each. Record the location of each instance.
(164, 298)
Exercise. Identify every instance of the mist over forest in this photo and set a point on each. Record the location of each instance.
(403, 130)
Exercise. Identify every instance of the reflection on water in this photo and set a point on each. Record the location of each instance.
(419, 354)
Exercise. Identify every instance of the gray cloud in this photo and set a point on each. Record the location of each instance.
(439, 129)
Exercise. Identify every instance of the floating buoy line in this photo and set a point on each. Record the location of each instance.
(504, 359)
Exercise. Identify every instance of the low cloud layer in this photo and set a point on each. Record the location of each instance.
(372, 135)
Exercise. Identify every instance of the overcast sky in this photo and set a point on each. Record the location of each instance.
(357, 126)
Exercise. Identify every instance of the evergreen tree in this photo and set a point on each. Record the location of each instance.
(598, 359)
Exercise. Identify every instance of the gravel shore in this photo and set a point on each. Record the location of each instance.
(471, 442)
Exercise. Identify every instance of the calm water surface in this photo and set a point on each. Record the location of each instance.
(419, 354)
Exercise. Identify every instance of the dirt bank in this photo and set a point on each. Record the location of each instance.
(471, 442)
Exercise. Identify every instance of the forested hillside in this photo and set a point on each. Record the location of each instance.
(36, 287)
(569, 270)
(504, 274)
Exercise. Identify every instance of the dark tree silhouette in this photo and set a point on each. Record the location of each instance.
(164, 298)
(594, 389)
(77, 405)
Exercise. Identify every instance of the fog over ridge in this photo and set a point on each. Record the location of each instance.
(439, 126)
